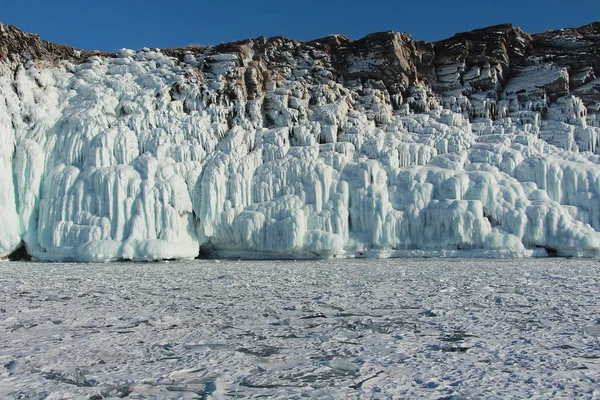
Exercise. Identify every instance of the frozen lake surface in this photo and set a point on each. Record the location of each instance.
(397, 328)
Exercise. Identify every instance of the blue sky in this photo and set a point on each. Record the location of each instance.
(113, 24)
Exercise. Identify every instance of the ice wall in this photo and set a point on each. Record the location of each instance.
(143, 156)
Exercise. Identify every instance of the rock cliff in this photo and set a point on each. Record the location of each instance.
(482, 144)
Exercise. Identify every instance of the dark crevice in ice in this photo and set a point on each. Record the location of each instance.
(20, 254)
(551, 252)
(207, 251)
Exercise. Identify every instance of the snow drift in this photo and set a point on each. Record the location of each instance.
(486, 143)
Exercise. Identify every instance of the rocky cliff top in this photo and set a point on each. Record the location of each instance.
(18, 45)
(393, 57)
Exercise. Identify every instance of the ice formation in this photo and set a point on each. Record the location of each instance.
(486, 143)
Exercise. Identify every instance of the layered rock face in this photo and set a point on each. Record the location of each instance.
(482, 144)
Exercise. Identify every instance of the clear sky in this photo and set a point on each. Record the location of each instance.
(112, 24)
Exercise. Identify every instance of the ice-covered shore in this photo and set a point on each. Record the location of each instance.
(276, 147)
(354, 329)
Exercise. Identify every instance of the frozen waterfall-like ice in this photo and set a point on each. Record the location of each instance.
(142, 156)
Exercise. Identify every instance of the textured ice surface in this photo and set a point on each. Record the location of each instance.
(142, 156)
(427, 328)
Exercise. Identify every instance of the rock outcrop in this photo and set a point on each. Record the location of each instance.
(19, 46)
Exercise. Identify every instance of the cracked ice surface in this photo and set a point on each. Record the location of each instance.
(142, 156)
(421, 328)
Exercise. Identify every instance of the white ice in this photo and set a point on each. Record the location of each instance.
(144, 157)
(358, 329)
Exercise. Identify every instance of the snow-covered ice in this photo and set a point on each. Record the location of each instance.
(420, 328)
